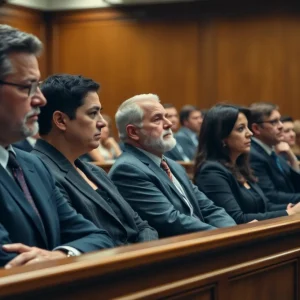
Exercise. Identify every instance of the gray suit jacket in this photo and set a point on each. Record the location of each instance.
(113, 213)
(150, 192)
(184, 138)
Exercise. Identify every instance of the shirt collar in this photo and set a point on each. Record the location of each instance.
(4, 155)
(268, 149)
(154, 158)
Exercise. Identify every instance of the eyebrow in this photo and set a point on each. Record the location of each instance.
(95, 107)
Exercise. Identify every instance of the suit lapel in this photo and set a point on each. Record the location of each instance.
(274, 166)
(74, 178)
(100, 180)
(84, 188)
(14, 190)
(160, 173)
(260, 193)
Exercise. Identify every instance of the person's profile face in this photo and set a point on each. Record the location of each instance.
(156, 135)
(194, 121)
(172, 116)
(271, 129)
(84, 131)
(239, 140)
(19, 111)
(289, 135)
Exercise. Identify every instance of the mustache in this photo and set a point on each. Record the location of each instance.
(167, 131)
(33, 112)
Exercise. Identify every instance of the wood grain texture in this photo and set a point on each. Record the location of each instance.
(251, 261)
(31, 21)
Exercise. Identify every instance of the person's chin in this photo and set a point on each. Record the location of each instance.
(247, 149)
(94, 144)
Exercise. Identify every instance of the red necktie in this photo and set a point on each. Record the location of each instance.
(18, 174)
(166, 168)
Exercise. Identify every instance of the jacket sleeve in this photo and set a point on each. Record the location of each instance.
(75, 230)
(151, 204)
(215, 183)
(268, 187)
(5, 257)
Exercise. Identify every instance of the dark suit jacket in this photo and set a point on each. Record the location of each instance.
(61, 224)
(218, 183)
(148, 189)
(23, 145)
(89, 203)
(176, 153)
(277, 187)
(183, 137)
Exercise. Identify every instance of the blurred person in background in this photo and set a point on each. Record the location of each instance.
(108, 149)
(296, 147)
(177, 152)
(187, 136)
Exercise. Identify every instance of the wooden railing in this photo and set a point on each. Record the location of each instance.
(258, 261)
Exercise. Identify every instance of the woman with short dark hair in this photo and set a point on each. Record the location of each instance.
(222, 170)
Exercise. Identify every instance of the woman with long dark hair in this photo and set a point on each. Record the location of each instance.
(222, 169)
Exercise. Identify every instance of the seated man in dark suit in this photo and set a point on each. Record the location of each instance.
(177, 152)
(156, 187)
(36, 222)
(70, 125)
(187, 136)
(278, 179)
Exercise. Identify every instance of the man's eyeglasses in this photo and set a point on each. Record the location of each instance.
(32, 87)
(274, 122)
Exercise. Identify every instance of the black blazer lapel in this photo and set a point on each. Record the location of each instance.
(260, 193)
(13, 188)
(83, 187)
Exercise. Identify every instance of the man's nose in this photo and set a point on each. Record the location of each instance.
(38, 99)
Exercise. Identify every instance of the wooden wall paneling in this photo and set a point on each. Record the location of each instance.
(250, 58)
(290, 104)
(267, 283)
(31, 21)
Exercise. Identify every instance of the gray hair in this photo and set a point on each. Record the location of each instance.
(130, 112)
(14, 40)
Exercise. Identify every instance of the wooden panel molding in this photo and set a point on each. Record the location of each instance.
(241, 262)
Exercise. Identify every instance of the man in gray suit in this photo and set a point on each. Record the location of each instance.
(187, 136)
(156, 187)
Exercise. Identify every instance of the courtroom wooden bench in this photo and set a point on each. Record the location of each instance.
(258, 261)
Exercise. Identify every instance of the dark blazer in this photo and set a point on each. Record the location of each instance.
(122, 223)
(243, 205)
(61, 224)
(176, 153)
(23, 145)
(148, 189)
(184, 138)
(278, 187)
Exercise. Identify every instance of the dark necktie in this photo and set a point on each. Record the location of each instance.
(277, 161)
(166, 168)
(18, 175)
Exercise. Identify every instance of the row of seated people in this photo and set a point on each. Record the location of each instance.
(54, 205)
(190, 118)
